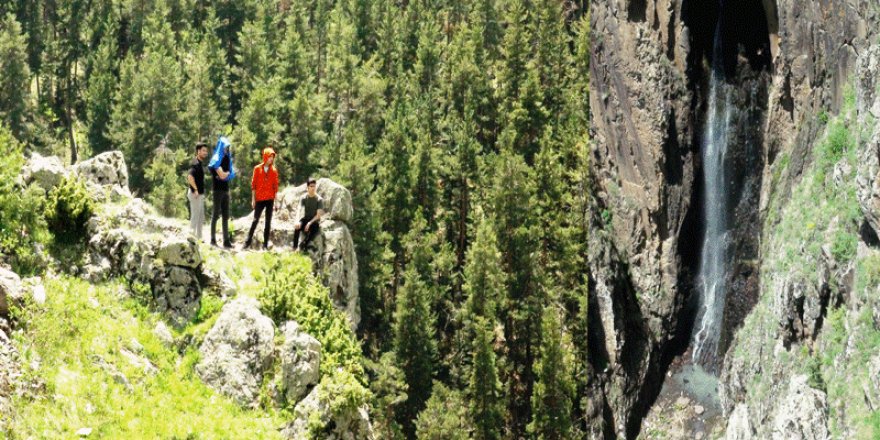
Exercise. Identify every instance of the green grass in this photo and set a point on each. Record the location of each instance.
(79, 323)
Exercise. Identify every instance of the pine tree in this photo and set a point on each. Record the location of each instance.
(201, 118)
(14, 77)
(147, 106)
(486, 406)
(101, 88)
(415, 346)
(554, 388)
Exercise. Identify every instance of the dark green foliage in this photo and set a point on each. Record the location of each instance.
(69, 207)
(486, 405)
(554, 387)
(14, 76)
(445, 416)
(415, 346)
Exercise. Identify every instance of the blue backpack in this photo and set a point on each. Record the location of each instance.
(219, 152)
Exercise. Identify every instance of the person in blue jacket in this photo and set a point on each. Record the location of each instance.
(222, 172)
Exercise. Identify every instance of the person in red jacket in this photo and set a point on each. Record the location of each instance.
(264, 185)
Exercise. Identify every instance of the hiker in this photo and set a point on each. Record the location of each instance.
(196, 190)
(313, 208)
(221, 174)
(264, 185)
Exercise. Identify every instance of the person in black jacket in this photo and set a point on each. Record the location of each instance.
(220, 176)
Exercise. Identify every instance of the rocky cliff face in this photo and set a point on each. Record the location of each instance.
(649, 65)
(643, 168)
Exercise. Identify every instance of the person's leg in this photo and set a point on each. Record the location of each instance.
(297, 231)
(200, 215)
(270, 205)
(224, 209)
(310, 234)
(192, 211)
(258, 209)
(215, 214)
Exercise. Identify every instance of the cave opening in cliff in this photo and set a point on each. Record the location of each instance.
(731, 43)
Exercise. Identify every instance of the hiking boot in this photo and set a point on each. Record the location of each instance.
(227, 245)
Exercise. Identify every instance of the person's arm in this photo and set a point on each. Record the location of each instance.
(254, 190)
(221, 173)
(192, 183)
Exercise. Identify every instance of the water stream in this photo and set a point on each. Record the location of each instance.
(714, 261)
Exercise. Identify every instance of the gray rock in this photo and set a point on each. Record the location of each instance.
(300, 362)
(163, 334)
(10, 289)
(351, 424)
(739, 426)
(802, 413)
(337, 201)
(10, 372)
(868, 171)
(45, 172)
(104, 169)
(176, 293)
(237, 351)
(180, 251)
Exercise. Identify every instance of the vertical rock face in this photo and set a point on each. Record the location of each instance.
(648, 66)
(643, 167)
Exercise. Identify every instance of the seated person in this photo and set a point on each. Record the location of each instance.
(313, 209)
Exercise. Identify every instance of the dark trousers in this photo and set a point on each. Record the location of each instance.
(221, 207)
(268, 205)
(309, 235)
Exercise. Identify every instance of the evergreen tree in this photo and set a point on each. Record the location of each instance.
(554, 389)
(147, 107)
(484, 390)
(100, 91)
(14, 77)
(201, 119)
(415, 346)
(166, 178)
(445, 416)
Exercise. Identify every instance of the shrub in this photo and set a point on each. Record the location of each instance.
(289, 291)
(22, 226)
(68, 210)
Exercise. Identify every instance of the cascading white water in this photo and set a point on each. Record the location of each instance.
(713, 267)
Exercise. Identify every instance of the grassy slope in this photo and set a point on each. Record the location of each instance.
(60, 340)
(818, 212)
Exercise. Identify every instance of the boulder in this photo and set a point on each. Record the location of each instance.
(10, 289)
(180, 251)
(337, 201)
(335, 262)
(349, 424)
(739, 426)
(237, 351)
(300, 362)
(802, 414)
(45, 172)
(176, 293)
(105, 169)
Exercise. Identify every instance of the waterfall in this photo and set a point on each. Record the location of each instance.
(714, 262)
